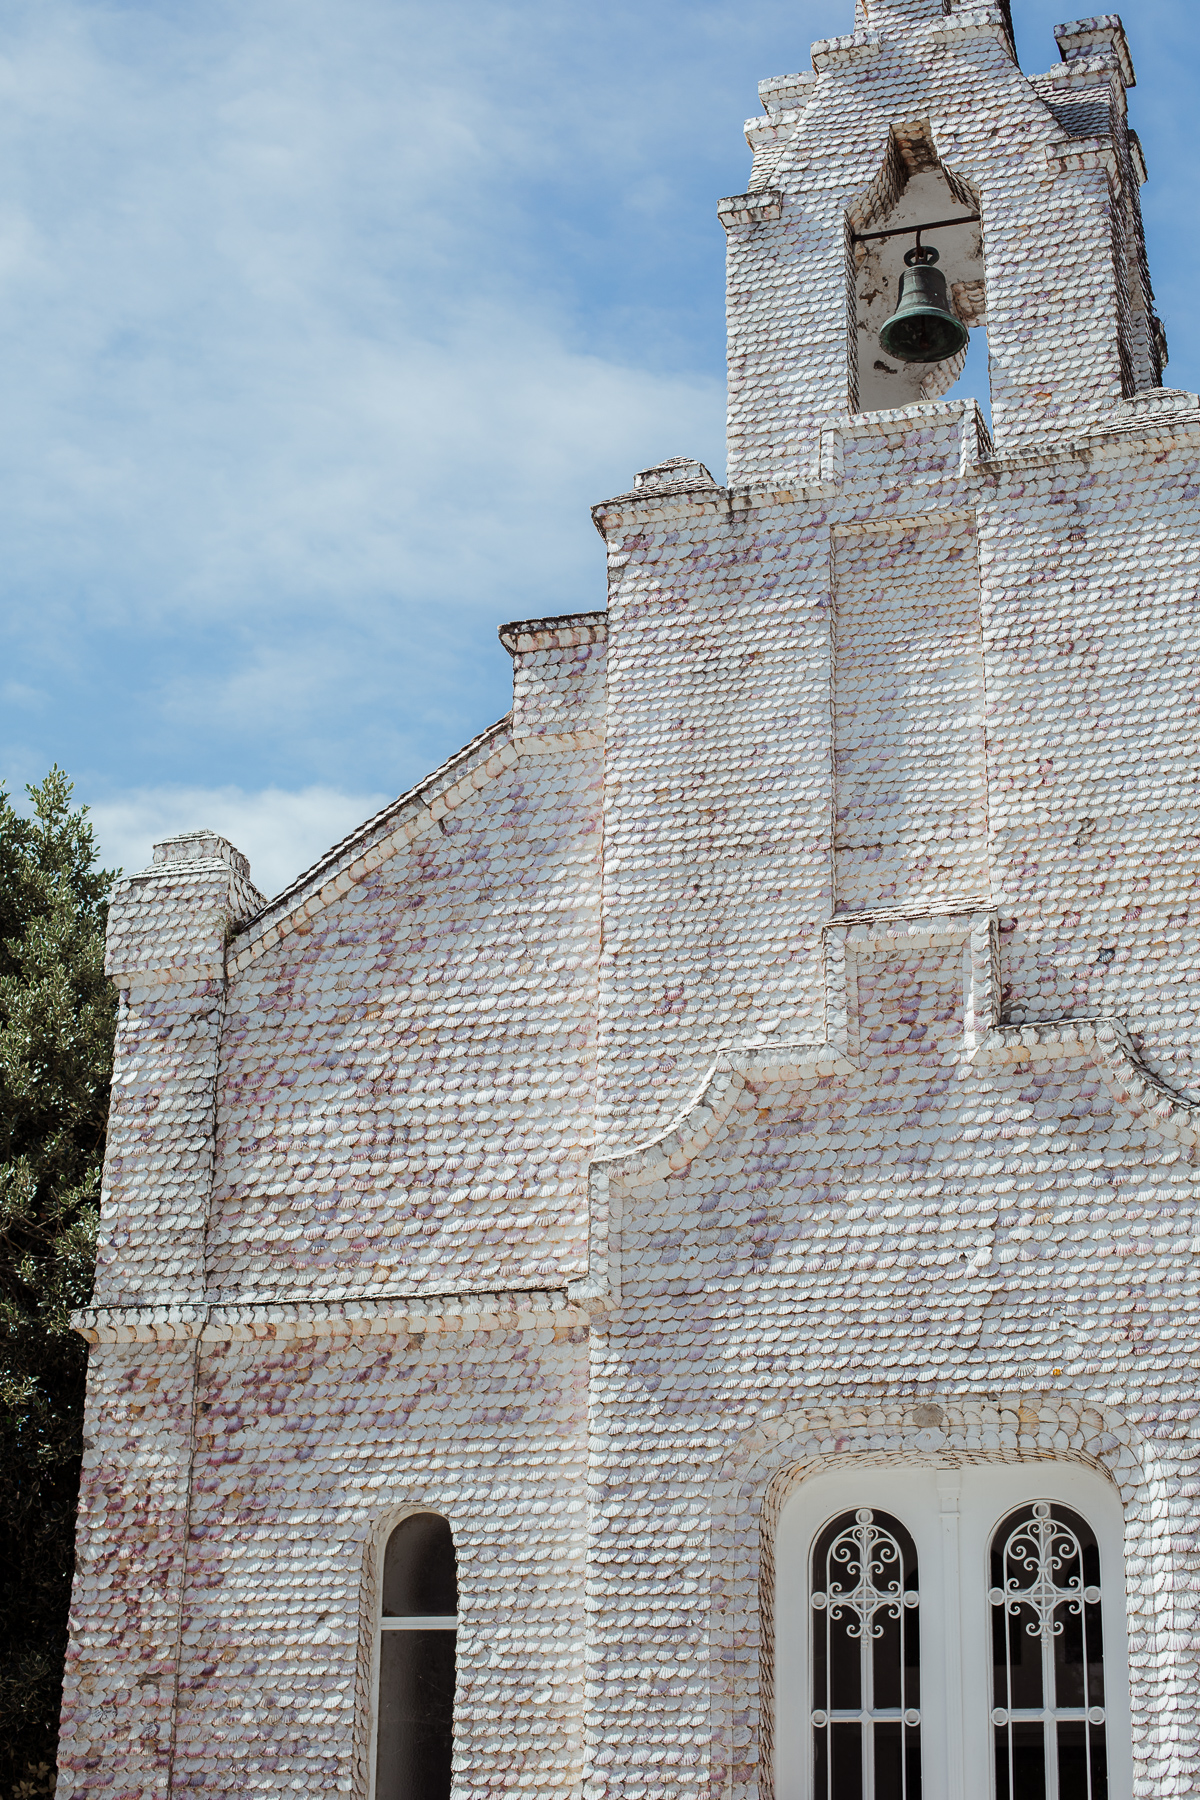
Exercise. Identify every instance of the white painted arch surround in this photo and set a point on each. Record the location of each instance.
(952, 1513)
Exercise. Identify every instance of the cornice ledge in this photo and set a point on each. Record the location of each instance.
(968, 22)
(375, 842)
(1107, 434)
(1082, 154)
(975, 444)
(497, 1309)
(563, 633)
(787, 93)
(1146, 413)
(1090, 40)
(832, 54)
(760, 205)
(177, 868)
(673, 500)
(1105, 1041)
(1082, 71)
(778, 126)
(640, 510)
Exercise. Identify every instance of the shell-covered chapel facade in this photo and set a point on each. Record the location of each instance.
(723, 1153)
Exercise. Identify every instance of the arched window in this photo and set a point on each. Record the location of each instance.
(1047, 1657)
(866, 1660)
(1004, 1690)
(416, 1661)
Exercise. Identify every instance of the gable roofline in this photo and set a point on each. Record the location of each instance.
(373, 842)
(413, 813)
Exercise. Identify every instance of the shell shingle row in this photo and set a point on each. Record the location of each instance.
(406, 1090)
(770, 1046)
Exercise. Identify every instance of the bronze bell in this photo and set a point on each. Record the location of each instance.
(923, 329)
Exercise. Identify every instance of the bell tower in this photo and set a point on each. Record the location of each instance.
(1027, 190)
(714, 1170)
(811, 720)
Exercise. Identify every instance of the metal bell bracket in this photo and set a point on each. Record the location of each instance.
(924, 328)
(921, 255)
(862, 237)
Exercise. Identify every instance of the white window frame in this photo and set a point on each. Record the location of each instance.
(419, 1622)
(951, 1514)
(396, 1622)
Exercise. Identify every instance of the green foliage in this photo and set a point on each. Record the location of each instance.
(57, 1017)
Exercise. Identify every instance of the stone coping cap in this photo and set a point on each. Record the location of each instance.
(563, 631)
(1104, 31)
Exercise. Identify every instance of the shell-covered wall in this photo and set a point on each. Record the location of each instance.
(407, 1085)
(772, 1045)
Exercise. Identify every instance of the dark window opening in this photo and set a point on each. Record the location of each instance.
(866, 1696)
(417, 1661)
(1048, 1706)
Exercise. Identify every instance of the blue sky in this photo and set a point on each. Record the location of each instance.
(322, 325)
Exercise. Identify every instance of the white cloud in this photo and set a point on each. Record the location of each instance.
(324, 322)
(301, 396)
(281, 833)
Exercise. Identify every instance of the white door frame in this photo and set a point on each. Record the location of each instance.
(951, 1511)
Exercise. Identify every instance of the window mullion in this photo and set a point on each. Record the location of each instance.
(867, 1728)
(829, 1699)
(1050, 1716)
(949, 1485)
(419, 1622)
(1008, 1703)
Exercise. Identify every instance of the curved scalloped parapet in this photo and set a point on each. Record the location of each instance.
(1104, 1040)
(687, 1136)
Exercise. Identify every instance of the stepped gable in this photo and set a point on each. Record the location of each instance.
(731, 1132)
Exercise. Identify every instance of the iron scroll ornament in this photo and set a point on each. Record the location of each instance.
(1044, 1547)
(867, 1547)
(866, 1690)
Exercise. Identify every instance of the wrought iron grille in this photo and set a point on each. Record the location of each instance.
(866, 1688)
(1047, 1657)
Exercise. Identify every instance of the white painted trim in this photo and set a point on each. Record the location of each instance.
(953, 1549)
(949, 1487)
(908, 1495)
(420, 1622)
(1000, 1489)
(378, 1623)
